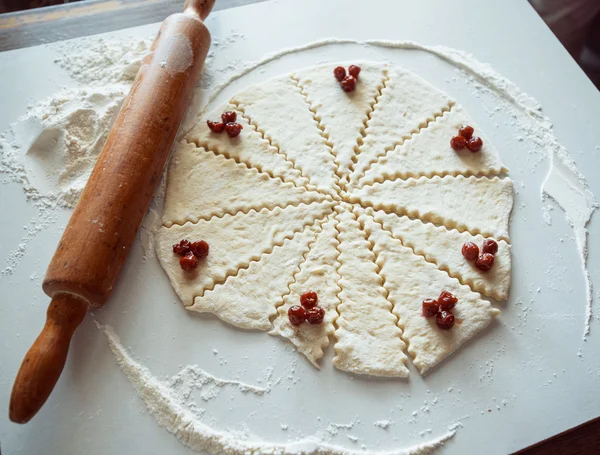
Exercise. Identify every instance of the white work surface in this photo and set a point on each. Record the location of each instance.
(528, 377)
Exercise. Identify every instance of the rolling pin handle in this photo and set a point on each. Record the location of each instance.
(198, 8)
(46, 358)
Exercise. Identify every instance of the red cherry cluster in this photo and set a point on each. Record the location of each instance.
(190, 253)
(307, 310)
(465, 138)
(485, 260)
(441, 309)
(226, 124)
(348, 83)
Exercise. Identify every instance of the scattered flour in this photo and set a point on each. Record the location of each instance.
(167, 405)
(385, 424)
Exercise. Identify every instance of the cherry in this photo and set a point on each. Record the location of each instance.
(216, 127)
(489, 246)
(444, 320)
(315, 315)
(228, 117)
(470, 251)
(233, 129)
(430, 308)
(182, 248)
(348, 83)
(458, 142)
(309, 299)
(485, 262)
(474, 144)
(339, 73)
(188, 262)
(354, 70)
(297, 314)
(466, 131)
(447, 301)
(200, 249)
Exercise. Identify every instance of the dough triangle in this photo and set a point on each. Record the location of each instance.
(444, 248)
(429, 153)
(234, 242)
(249, 147)
(410, 279)
(407, 103)
(319, 273)
(479, 205)
(343, 115)
(203, 184)
(249, 299)
(282, 114)
(368, 341)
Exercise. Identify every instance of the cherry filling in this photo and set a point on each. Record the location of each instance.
(348, 83)
(484, 262)
(430, 308)
(297, 314)
(458, 142)
(233, 129)
(354, 71)
(200, 249)
(182, 248)
(489, 246)
(309, 299)
(466, 131)
(447, 301)
(315, 315)
(474, 144)
(228, 117)
(444, 320)
(189, 262)
(190, 253)
(216, 127)
(339, 73)
(466, 139)
(470, 251)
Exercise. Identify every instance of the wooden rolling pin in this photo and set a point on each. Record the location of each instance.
(104, 224)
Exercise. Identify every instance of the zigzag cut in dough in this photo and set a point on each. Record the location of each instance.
(368, 341)
(319, 273)
(444, 248)
(279, 110)
(249, 147)
(429, 153)
(343, 115)
(478, 205)
(205, 184)
(410, 279)
(249, 300)
(235, 241)
(406, 105)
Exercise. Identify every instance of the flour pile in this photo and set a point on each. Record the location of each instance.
(52, 149)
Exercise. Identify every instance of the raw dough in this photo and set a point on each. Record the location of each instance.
(479, 205)
(444, 247)
(319, 273)
(407, 105)
(409, 280)
(429, 153)
(368, 341)
(343, 117)
(203, 184)
(316, 194)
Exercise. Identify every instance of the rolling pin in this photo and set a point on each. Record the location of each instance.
(105, 221)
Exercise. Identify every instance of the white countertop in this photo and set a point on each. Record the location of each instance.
(527, 378)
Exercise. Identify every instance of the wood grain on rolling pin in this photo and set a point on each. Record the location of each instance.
(104, 224)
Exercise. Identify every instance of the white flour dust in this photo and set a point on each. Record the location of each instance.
(167, 404)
